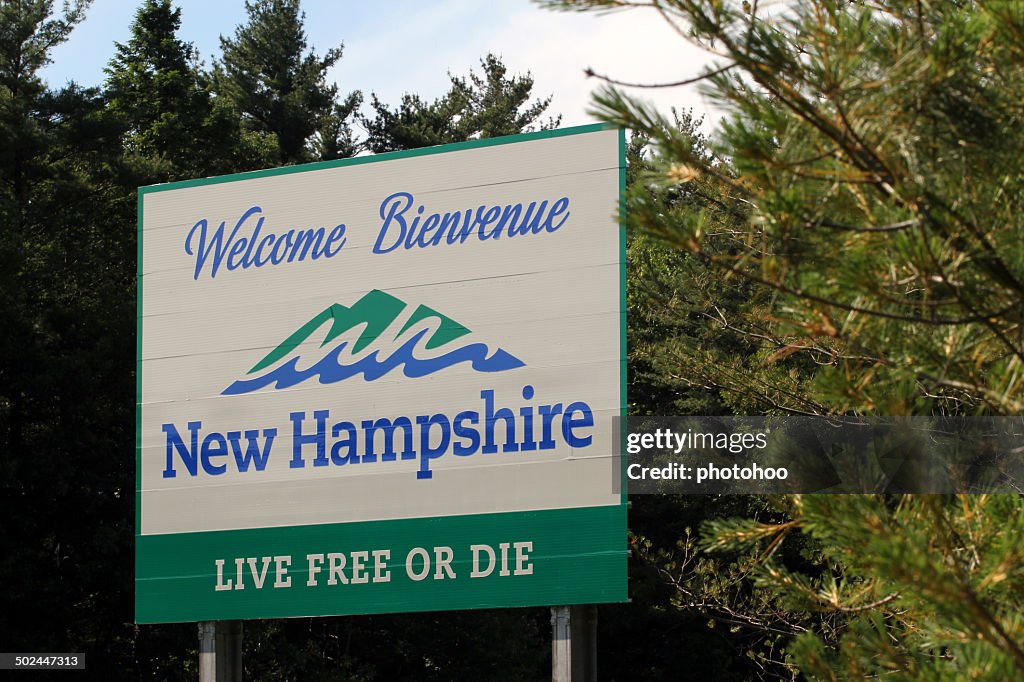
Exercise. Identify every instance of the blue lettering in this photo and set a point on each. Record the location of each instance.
(448, 223)
(462, 234)
(216, 245)
(388, 427)
(299, 438)
(337, 233)
(247, 260)
(187, 455)
(548, 414)
(466, 432)
(560, 206)
(429, 225)
(252, 455)
(509, 217)
(390, 212)
(282, 240)
(490, 447)
(427, 452)
(531, 221)
(237, 249)
(585, 420)
(306, 239)
(259, 260)
(350, 457)
(410, 239)
(214, 445)
(526, 413)
(487, 219)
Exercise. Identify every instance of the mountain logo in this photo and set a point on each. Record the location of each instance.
(372, 337)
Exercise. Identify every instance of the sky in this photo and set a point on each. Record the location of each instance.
(396, 46)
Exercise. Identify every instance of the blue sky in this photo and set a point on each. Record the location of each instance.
(397, 46)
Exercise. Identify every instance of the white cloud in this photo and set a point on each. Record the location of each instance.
(633, 46)
(412, 51)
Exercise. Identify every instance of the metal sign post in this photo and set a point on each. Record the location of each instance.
(220, 651)
(574, 643)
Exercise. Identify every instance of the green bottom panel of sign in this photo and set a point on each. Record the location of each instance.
(537, 558)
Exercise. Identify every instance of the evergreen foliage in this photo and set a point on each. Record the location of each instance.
(71, 160)
(66, 300)
(849, 242)
(476, 106)
(280, 88)
(174, 127)
(874, 151)
(695, 347)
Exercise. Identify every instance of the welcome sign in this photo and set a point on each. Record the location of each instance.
(383, 384)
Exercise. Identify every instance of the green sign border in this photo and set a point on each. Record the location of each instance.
(587, 542)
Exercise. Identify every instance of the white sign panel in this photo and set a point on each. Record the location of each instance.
(418, 335)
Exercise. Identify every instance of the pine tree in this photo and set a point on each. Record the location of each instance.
(876, 148)
(695, 347)
(479, 105)
(280, 88)
(66, 298)
(173, 126)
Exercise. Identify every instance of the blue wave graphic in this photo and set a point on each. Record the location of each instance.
(329, 370)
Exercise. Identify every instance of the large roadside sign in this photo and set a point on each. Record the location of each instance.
(383, 384)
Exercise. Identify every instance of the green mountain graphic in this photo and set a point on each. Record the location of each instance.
(377, 310)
